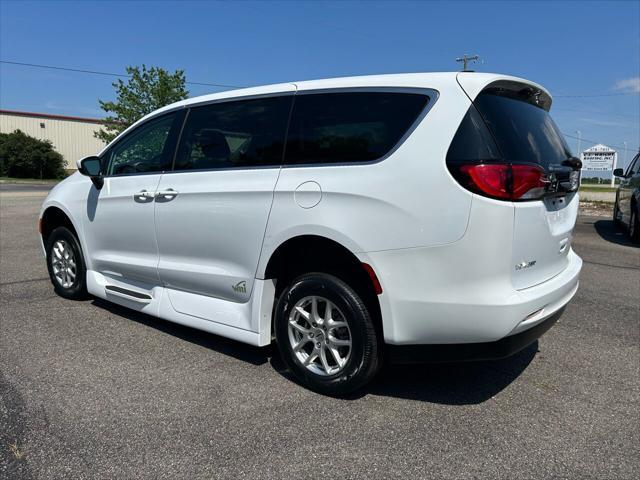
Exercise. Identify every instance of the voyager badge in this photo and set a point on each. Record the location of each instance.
(523, 265)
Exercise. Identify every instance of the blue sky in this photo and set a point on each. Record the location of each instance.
(572, 48)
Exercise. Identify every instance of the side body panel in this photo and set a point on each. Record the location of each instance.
(70, 196)
(404, 201)
(210, 235)
(119, 228)
(210, 229)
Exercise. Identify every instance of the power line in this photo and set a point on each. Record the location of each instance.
(597, 95)
(596, 112)
(220, 85)
(108, 74)
(111, 74)
(594, 142)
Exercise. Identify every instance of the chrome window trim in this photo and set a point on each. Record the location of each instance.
(431, 93)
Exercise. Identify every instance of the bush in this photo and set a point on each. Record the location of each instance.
(22, 156)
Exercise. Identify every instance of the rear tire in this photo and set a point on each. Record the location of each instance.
(65, 264)
(616, 214)
(634, 225)
(332, 353)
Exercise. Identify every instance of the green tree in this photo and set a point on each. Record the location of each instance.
(145, 91)
(22, 156)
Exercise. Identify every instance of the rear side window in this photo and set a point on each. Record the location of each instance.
(349, 127)
(473, 141)
(236, 134)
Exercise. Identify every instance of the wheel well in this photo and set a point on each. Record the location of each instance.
(312, 253)
(53, 218)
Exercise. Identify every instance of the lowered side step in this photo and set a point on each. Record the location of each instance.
(128, 294)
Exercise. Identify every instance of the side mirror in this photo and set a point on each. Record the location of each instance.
(618, 172)
(90, 166)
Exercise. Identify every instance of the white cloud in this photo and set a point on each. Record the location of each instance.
(628, 85)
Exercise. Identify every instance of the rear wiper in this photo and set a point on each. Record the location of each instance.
(573, 162)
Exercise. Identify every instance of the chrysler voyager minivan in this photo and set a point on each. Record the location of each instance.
(414, 216)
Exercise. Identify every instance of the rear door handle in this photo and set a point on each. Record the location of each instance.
(143, 196)
(168, 194)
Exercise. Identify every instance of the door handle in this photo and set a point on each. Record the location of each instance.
(168, 194)
(143, 195)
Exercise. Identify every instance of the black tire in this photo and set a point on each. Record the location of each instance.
(77, 290)
(365, 355)
(634, 225)
(616, 214)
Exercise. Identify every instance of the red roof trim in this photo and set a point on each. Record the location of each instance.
(52, 116)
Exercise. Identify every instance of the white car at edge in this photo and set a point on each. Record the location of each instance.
(418, 217)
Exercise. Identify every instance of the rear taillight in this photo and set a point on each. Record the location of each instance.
(502, 181)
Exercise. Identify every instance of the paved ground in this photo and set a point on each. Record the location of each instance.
(9, 190)
(25, 187)
(89, 390)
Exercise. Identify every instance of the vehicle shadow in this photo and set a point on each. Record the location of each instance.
(238, 350)
(610, 232)
(462, 383)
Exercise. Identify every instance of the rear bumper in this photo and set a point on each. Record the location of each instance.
(502, 348)
(440, 305)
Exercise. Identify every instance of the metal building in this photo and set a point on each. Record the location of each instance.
(72, 137)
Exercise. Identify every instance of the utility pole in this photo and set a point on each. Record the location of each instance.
(579, 133)
(624, 165)
(465, 59)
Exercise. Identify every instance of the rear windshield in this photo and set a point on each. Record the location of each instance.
(523, 131)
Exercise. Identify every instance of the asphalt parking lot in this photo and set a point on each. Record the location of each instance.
(91, 390)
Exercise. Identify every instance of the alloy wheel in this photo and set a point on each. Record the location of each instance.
(63, 263)
(319, 335)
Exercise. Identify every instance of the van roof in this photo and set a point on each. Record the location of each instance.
(434, 80)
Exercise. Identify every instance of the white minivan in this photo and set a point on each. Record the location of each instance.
(419, 217)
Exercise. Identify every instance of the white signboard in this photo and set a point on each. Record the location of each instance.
(599, 158)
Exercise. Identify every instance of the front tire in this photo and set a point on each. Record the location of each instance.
(326, 335)
(66, 265)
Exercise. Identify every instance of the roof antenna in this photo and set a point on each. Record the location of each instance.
(465, 59)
